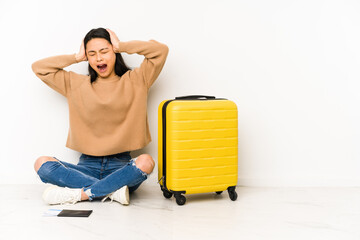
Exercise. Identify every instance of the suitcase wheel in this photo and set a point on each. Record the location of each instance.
(232, 193)
(167, 194)
(219, 192)
(180, 199)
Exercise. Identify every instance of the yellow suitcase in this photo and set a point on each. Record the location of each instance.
(197, 146)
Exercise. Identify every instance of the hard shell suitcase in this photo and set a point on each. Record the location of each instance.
(197, 146)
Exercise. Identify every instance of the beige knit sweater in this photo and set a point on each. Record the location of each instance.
(108, 116)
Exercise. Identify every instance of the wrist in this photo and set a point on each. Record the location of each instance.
(76, 57)
(116, 47)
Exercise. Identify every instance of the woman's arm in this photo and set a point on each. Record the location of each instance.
(155, 55)
(50, 70)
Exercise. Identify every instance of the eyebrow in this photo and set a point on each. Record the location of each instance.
(91, 51)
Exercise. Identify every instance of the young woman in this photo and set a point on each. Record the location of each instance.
(108, 119)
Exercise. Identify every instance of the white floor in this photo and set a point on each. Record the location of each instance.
(259, 213)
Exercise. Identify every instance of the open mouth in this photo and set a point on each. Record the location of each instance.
(102, 67)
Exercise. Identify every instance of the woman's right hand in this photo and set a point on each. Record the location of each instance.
(81, 56)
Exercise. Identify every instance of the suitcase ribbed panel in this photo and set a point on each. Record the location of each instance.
(201, 145)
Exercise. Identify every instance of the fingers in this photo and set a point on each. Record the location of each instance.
(82, 50)
(110, 32)
(81, 56)
(114, 39)
(82, 47)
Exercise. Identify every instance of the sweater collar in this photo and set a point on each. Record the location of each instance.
(104, 80)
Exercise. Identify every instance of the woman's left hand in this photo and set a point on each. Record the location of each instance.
(114, 40)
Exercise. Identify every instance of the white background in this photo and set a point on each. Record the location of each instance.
(292, 68)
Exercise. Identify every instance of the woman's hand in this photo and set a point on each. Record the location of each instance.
(81, 56)
(114, 40)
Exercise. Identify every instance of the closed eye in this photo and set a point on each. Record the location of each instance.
(91, 53)
(104, 50)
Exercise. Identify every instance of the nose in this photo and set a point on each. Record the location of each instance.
(98, 58)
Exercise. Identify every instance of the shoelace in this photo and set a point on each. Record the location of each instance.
(108, 196)
(67, 201)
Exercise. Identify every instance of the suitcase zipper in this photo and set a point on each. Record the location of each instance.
(164, 141)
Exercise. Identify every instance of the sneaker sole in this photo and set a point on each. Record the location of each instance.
(127, 197)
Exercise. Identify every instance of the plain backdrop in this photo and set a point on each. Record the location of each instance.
(292, 68)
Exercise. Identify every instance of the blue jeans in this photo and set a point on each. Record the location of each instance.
(98, 176)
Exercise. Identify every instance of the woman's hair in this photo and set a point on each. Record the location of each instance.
(120, 66)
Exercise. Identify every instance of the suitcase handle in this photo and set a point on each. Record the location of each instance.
(194, 97)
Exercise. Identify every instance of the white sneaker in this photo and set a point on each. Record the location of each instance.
(121, 196)
(60, 195)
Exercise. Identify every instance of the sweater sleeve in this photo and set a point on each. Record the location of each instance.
(50, 71)
(155, 54)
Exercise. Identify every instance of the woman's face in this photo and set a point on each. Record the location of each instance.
(101, 57)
